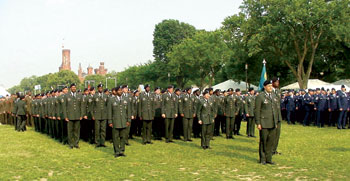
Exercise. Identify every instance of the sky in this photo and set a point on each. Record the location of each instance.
(117, 32)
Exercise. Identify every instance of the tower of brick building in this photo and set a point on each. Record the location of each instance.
(80, 73)
(90, 70)
(101, 69)
(65, 60)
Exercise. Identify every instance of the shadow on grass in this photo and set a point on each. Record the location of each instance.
(339, 149)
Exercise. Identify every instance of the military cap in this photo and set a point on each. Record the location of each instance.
(99, 85)
(217, 90)
(73, 84)
(317, 89)
(147, 85)
(177, 89)
(86, 89)
(196, 90)
(156, 88)
(251, 89)
(106, 90)
(229, 90)
(124, 86)
(342, 86)
(170, 86)
(275, 79)
(205, 92)
(136, 91)
(267, 82)
(237, 90)
(92, 88)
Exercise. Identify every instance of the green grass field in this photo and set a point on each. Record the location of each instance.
(308, 153)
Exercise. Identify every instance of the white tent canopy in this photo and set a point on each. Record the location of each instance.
(345, 82)
(313, 84)
(232, 84)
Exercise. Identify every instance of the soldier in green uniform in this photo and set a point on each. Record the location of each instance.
(63, 123)
(188, 112)
(249, 111)
(90, 123)
(72, 111)
(29, 99)
(129, 98)
(230, 111)
(178, 120)
(20, 112)
(240, 111)
(196, 126)
(158, 120)
(220, 119)
(35, 113)
(267, 116)
(206, 117)
(100, 116)
(118, 120)
(2, 110)
(277, 91)
(52, 114)
(146, 112)
(13, 110)
(169, 112)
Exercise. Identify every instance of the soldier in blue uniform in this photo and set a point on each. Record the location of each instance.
(332, 108)
(290, 102)
(322, 105)
(300, 106)
(308, 105)
(342, 100)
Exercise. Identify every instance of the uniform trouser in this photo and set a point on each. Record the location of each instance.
(267, 140)
(342, 119)
(206, 134)
(146, 131)
(51, 128)
(277, 137)
(196, 127)
(73, 132)
(178, 127)
(15, 122)
(321, 116)
(250, 126)
(2, 118)
(230, 122)
(29, 120)
(217, 125)
(128, 132)
(91, 130)
(169, 128)
(237, 125)
(157, 127)
(6, 119)
(64, 126)
(118, 136)
(223, 124)
(290, 116)
(100, 132)
(333, 118)
(58, 129)
(307, 117)
(187, 128)
(21, 121)
(138, 127)
(36, 128)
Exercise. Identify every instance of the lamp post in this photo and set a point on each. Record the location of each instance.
(246, 76)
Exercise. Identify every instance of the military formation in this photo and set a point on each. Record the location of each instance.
(120, 114)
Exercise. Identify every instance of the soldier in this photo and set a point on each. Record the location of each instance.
(220, 113)
(230, 112)
(206, 114)
(72, 110)
(158, 120)
(52, 114)
(277, 91)
(188, 112)
(321, 108)
(63, 123)
(100, 116)
(146, 113)
(267, 116)
(2, 111)
(29, 99)
(89, 114)
(196, 126)
(249, 111)
(134, 125)
(13, 110)
(178, 120)
(332, 108)
(20, 112)
(343, 107)
(129, 98)
(118, 120)
(169, 112)
(240, 112)
(290, 102)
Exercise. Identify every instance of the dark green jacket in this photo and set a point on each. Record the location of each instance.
(118, 111)
(249, 105)
(20, 108)
(188, 102)
(231, 106)
(146, 108)
(72, 108)
(267, 110)
(100, 106)
(206, 111)
(158, 105)
(169, 105)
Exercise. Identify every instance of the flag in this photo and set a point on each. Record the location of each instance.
(263, 76)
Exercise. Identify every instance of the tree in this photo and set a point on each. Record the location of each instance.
(292, 33)
(201, 56)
